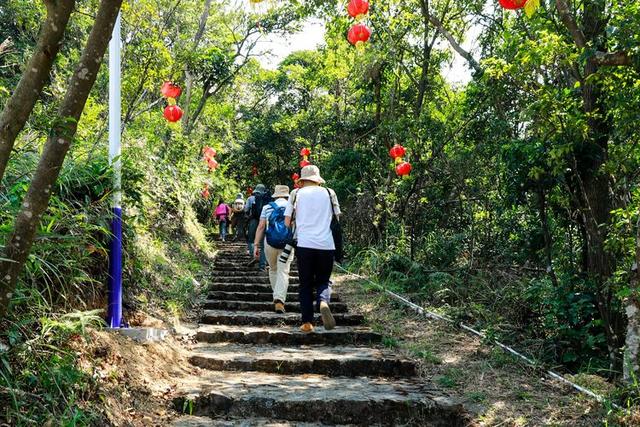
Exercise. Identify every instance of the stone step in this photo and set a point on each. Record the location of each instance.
(285, 335)
(333, 361)
(254, 318)
(293, 307)
(191, 421)
(247, 287)
(245, 273)
(265, 296)
(318, 398)
(248, 279)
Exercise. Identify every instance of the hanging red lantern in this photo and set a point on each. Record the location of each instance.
(358, 8)
(249, 191)
(403, 168)
(512, 4)
(305, 152)
(397, 151)
(295, 177)
(254, 170)
(358, 34)
(213, 164)
(304, 163)
(208, 153)
(205, 192)
(169, 90)
(172, 113)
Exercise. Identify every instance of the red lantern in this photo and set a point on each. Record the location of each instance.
(358, 34)
(513, 4)
(212, 164)
(205, 192)
(305, 152)
(403, 168)
(254, 170)
(397, 151)
(304, 163)
(209, 153)
(295, 177)
(356, 8)
(169, 90)
(249, 191)
(172, 113)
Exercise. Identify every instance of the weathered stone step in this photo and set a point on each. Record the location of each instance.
(246, 287)
(333, 361)
(293, 307)
(248, 278)
(285, 335)
(313, 398)
(245, 273)
(253, 318)
(265, 296)
(191, 421)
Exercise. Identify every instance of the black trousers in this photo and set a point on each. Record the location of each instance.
(314, 268)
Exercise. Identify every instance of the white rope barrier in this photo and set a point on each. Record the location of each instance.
(506, 348)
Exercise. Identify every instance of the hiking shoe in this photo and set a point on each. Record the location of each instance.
(279, 307)
(306, 328)
(327, 318)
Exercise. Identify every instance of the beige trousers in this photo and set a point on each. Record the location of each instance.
(278, 272)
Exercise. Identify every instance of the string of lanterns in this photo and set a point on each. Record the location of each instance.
(397, 153)
(359, 33)
(305, 153)
(209, 155)
(172, 112)
(529, 6)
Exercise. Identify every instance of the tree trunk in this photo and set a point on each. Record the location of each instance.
(595, 199)
(55, 150)
(426, 58)
(188, 77)
(18, 108)
(546, 232)
(631, 366)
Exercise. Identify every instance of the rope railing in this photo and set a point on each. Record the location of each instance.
(422, 311)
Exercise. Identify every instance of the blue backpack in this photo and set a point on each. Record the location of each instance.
(277, 233)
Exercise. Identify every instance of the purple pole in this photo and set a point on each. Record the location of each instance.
(114, 313)
(115, 271)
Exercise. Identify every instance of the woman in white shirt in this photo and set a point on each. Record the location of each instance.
(311, 209)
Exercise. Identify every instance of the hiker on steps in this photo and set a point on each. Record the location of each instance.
(276, 235)
(238, 220)
(253, 208)
(222, 213)
(312, 208)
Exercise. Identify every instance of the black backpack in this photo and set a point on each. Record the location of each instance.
(262, 199)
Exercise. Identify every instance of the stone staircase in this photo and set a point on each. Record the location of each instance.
(262, 371)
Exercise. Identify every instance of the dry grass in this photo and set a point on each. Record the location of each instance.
(496, 387)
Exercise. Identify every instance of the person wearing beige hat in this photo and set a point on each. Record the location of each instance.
(278, 271)
(312, 208)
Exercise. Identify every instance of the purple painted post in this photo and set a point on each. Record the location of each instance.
(114, 313)
(115, 271)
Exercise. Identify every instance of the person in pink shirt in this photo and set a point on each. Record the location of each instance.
(222, 213)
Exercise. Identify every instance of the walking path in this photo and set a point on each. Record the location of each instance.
(263, 371)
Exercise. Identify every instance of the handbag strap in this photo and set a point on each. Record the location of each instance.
(333, 209)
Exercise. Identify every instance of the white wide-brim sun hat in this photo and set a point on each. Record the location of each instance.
(311, 173)
(280, 191)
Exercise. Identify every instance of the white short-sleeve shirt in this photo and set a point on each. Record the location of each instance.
(313, 217)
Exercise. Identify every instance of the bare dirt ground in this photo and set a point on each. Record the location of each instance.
(137, 381)
(496, 387)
